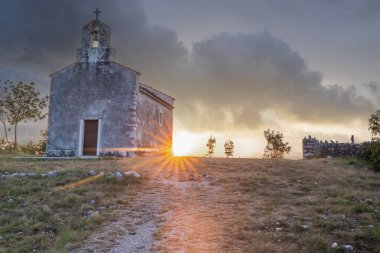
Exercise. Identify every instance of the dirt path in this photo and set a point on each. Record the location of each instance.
(175, 212)
(191, 224)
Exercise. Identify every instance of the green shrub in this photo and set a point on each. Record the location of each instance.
(371, 153)
(4, 146)
(375, 156)
(366, 150)
(28, 148)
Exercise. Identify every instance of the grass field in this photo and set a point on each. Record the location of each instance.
(200, 205)
(37, 215)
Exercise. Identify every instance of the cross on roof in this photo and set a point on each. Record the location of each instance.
(97, 12)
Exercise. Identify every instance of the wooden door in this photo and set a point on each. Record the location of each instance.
(90, 141)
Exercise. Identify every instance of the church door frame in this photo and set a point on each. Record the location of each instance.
(81, 136)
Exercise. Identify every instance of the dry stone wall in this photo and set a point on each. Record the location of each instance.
(313, 148)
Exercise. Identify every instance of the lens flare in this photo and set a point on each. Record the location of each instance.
(183, 143)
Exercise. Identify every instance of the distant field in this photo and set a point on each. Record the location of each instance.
(192, 205)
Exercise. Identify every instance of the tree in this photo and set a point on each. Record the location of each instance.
(374, 125)
(42, 142)
(276, 148)
(210, 145)
(371, 150)
(229, 148)
(22, 103)
(4, 114)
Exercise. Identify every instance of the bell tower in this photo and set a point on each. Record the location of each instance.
(96, 42)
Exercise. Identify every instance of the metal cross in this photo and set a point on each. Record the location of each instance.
(97, 12)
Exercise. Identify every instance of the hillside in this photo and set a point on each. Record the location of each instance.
(191, 205)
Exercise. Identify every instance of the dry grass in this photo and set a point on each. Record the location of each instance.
(202, 204)
(36, 217)
(235, 205)
(338, 201)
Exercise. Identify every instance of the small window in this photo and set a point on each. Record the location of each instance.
(95, 37)
(95, 43)
(161, 118)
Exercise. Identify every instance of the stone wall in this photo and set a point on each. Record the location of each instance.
(313, 148)
(104, 91)
(132, 118)
(103, 52)
(154, 124)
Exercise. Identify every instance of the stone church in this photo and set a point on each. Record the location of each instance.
(98, 107)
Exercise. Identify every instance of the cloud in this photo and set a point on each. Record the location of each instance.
(39, 37)
(373, 87)
(44, 34)
(371, 90)
(223, 82)
(235, 77)
(360, 9)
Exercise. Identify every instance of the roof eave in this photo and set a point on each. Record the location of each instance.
(156, 98)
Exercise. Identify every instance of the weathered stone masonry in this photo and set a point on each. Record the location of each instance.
(133, 118)
(313, 148)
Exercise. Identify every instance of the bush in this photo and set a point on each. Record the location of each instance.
(375, 156)
(371, 153)
(4, 146)
(29, 148)
(366, 150)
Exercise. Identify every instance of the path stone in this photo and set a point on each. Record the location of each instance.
(132, 173)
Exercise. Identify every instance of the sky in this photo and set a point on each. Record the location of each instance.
(235, 67)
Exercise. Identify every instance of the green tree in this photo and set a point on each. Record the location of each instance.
(374, 125)
(22, 103)
(4, 114)
(371, 150)
(210, 146)
(42, 142)
(276, 148)
(229, 148)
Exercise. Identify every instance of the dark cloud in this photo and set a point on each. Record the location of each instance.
(373, 87)
(39, 37)
(234, 78)
(372, 91)
(225, 81)
(359, 9)
(44, 34)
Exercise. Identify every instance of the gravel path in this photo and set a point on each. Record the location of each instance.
(132, 232)
(173, 213)
(139, 241)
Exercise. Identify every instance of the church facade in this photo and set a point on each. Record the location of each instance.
(99, 108)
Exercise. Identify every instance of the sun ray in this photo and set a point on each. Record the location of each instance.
(162, 166)
(169, 169)
(183, 169)
(78, 183)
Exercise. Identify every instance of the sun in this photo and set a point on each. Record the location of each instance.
(183, 143)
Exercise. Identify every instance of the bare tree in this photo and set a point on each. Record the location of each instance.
(229, 148)
(210, 146)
